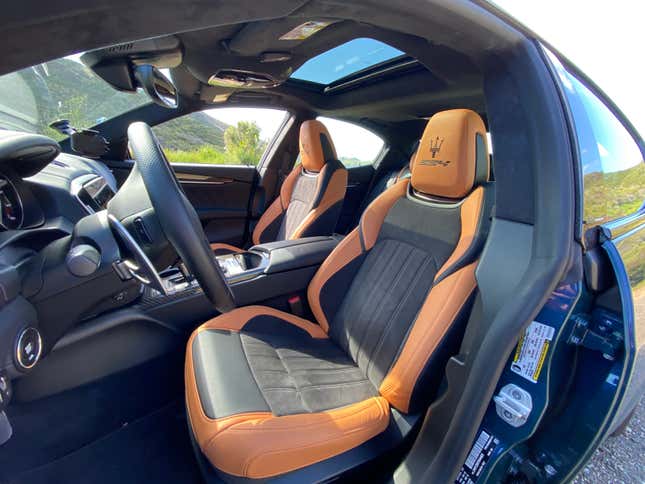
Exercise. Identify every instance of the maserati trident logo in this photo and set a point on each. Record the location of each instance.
(435, 146)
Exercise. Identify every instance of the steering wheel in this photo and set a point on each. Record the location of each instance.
(177, 217)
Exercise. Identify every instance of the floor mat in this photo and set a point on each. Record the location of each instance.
(51, 428)
(155, 448)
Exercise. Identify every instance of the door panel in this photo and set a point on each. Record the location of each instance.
(358, 181)
(221, 196)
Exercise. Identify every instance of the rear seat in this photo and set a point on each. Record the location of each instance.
(385, 181)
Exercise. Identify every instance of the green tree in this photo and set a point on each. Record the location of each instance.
(243, 142)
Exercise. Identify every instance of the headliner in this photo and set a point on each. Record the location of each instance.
(451, 39)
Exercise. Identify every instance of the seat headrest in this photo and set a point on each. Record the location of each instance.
(316, 146)
(452, 156)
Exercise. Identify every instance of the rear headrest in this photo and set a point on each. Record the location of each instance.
(316, 146)
(452, 156)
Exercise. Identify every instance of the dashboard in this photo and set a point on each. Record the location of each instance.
(44, 195)
(11, 211)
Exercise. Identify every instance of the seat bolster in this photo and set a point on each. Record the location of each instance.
(271, 216)
(439, 311)
(375, 213)
(474, 215)
(330, 194)
(343, 254)
(236, 320)
(223, 249)
(204, 427)
(260, 446)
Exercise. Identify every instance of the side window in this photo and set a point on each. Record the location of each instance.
(612, 164)
(355, 146)
(223, 136)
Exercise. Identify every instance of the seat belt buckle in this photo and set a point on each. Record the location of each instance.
(296, 306)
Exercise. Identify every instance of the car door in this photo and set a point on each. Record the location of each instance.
(216, 154)
(578, 370)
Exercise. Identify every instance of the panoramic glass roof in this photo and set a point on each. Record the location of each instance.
(345, 60)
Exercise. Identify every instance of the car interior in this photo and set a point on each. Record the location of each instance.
(301, 319)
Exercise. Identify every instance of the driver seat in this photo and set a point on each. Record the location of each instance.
(272, 395)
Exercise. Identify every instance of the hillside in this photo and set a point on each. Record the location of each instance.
(611, 195)
(191, 132)
(66, 89)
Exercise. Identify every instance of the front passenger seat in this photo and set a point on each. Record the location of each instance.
(272, 395)
(311, 197)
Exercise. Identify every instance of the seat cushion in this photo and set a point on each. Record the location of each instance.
(268, 392)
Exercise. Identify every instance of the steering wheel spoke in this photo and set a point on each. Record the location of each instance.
(175, 216)
(141, 268)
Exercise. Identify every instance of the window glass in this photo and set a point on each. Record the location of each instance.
(355, 146)
(223, 136)
(32, 98)
(345, 60)
(612, 164)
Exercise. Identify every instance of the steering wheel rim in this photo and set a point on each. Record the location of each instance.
(177, 217)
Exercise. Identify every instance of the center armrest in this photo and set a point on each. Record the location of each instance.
(287, 255)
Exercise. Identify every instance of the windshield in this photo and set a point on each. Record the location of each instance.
(30, 99)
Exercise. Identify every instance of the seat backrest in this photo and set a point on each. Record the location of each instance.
(311, 196)
(394, 291)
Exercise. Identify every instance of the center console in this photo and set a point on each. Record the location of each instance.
(263, 272)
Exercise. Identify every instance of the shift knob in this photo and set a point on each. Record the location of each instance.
(83, 260)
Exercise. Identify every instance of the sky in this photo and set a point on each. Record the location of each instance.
(344, 60)
(604, 39)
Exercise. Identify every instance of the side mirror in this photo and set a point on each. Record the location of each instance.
(160, 89)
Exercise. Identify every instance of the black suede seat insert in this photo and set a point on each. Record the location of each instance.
(392, 283)
(300, 374)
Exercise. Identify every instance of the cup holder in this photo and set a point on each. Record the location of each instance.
(243, 265)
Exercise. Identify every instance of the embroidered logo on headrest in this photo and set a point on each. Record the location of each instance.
(435, 146)
(434, 163)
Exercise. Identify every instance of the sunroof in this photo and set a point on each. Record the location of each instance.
(345, 60)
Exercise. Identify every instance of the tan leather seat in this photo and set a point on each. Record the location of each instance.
(271, 395)
(311, 197)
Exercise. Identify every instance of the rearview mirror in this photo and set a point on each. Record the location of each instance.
(160, 89)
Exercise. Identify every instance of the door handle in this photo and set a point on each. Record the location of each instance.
(193, 179)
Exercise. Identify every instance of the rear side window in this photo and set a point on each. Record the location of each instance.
(355, 146)
(221, 136)
(612, 164)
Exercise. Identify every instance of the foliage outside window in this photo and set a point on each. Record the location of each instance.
(224, 136)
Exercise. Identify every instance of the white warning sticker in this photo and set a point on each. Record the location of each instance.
(306, 30)
(532, 350)
(479, 455)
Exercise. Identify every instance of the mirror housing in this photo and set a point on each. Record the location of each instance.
(158, 87)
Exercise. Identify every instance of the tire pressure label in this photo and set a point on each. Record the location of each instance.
(532, 350)
(477, 459)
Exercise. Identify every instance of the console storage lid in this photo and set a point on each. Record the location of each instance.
(287, 255)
